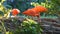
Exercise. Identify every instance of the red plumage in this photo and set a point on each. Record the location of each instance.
(15, 12)
(35, 11)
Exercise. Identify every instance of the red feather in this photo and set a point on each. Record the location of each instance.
(15, 12)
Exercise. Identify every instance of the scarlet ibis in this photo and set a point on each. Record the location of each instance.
(15, 11)
(35, 11)
(30, 12)
(39, 9)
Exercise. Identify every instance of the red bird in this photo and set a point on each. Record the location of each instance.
(30, 12)
(40, 8)
(35, 11)
(15, 12)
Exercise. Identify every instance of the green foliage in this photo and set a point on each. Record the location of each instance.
(56, 2)
(14, 26)
(52, 5)
(1, 1)
(4, 12)
(29, 26)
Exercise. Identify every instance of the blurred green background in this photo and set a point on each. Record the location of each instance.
(52, 5)
(6, 6)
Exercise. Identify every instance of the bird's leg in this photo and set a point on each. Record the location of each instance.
(32, 17)
(39, 20)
